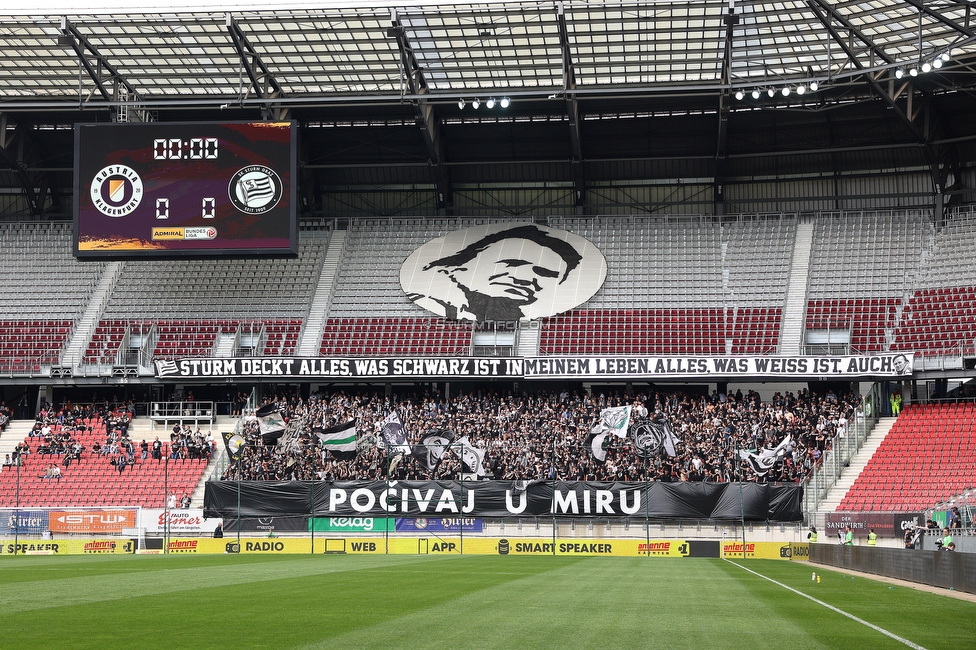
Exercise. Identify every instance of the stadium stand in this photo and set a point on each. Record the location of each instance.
(92, 479)
(45, 289)
(928, 456)
(940, 315)
(182, 307)
(542, 435)
(861, 266)
(686, 285)
(675, 285)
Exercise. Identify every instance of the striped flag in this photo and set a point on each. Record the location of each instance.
(341, 437)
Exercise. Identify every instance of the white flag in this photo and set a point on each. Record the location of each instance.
(472, 457)
(616, 420)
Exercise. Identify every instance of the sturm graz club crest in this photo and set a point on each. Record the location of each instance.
(255, 189)
(651, 438)
(116, 190)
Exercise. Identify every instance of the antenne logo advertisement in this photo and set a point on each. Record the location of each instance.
(503, 272)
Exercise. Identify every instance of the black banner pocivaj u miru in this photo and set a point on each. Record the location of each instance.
(721, 501)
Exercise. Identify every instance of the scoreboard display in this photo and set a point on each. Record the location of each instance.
(188, 188)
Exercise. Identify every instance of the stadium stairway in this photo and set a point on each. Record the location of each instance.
(852, 471)
(528, 340)
(795, 307)
(75, 349)
(319, 307)
(13, 435)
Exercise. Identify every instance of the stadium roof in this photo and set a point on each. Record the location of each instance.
(427, 64)
(344, 53)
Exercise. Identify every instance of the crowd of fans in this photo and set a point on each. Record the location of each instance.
(542, 435)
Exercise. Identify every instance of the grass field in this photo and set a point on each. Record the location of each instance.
(458, 602)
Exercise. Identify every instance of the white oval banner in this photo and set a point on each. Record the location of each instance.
(503, 272)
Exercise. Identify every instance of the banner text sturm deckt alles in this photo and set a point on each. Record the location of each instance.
(882, 365)
(502, 499)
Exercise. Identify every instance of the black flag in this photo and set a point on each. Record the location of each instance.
(432, 446)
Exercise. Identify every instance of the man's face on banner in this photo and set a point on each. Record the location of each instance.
(517, 269)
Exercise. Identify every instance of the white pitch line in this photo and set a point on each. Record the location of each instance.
(892, 635)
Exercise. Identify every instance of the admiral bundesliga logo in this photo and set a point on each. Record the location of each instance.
(116, 190)
(255, 189)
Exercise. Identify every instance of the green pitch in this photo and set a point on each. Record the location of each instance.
(457, 602)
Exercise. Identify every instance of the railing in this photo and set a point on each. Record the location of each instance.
(197, 412)
(824, 476)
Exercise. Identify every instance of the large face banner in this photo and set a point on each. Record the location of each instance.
(503, 272)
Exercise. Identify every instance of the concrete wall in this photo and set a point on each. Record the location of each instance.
(937, 568)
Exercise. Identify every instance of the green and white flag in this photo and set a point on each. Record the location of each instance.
(341, 437)
(616, 420)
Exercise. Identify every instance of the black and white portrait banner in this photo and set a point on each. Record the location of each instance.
(564, 367)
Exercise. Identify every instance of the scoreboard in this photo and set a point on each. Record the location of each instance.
(188, 188)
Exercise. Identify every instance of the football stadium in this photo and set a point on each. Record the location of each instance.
(491, 324)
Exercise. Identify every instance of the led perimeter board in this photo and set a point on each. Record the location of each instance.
(185, 189)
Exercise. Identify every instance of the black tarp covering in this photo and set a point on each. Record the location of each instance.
(759, 502)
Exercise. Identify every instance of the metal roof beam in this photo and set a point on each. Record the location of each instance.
(850, 27)
(12, 152)
(825, 18)
(263, 82)
(724, 101)
(87, 52)
(427, 120)
(948, 22)
(572, 107)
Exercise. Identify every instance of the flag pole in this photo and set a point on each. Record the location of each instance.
(742, 504)
(386, 526)
(20, 458)
(311, 498)
(239, 462)
(647, 503)
(552, 499)
(166, 500)
(461, 511)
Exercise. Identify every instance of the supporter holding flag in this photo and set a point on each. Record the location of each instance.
(431, 448)
(472, 458)
(391, 430)
(764, 461)
(616, 419)
(340, 438)
(234, 442)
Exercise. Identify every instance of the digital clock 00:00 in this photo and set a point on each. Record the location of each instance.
(179, 149)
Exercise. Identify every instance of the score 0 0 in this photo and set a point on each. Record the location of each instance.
(208, 208)
(179, 149)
